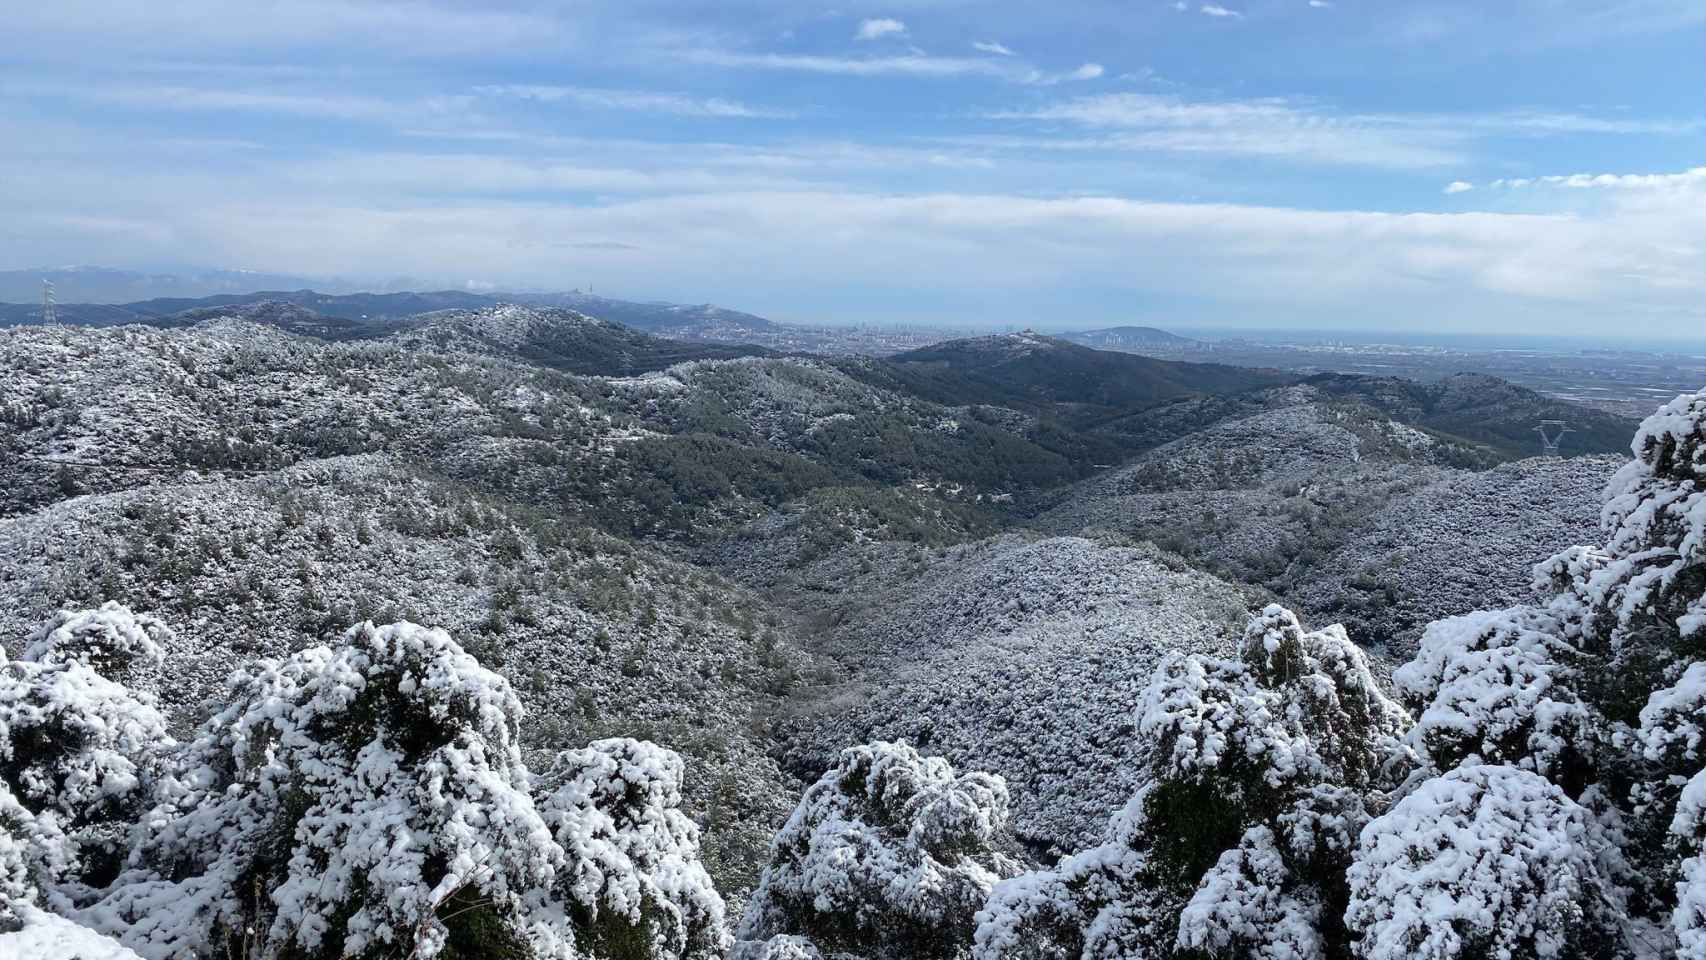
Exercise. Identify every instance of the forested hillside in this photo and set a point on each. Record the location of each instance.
(511, 632)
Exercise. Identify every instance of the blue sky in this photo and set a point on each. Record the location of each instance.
(1524, 165)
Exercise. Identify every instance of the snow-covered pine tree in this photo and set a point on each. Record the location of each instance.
(1485, 861)
(1262, 772)
(888, 847)
(1499, 687)
(79, 752)
(370, 798)
(634, 885)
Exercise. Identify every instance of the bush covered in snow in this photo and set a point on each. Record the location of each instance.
(888, 847)
(346, 799)
(357, 799)
(79, 753)
(634, 876)
(1498, 687)
(1486, 861)
(114, 641)
(1262, 770)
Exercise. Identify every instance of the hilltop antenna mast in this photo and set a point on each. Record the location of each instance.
(1551, 434)
(49, 312)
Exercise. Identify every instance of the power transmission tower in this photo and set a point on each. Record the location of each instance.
(49, 313)
(1551, 434)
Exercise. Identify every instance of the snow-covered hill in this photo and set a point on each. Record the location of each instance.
(1019, 656)
(599, 637)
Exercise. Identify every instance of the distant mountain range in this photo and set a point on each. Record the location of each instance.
(106, 285)
(702, 321)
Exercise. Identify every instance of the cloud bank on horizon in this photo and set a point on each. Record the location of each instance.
(1531, 166)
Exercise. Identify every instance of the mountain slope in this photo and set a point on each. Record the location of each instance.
(1024, 658)
(699, 322)
(653, 316)
(1039, 374)
(1483, 409)
(598, 637)
(560, 339)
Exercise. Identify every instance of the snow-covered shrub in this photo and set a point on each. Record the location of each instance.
(634, 878)
(17, 867)
(1672, 740)
(1497, 687)
(370, 799)
(1657, 574)
(1250, 905)
(79, 753)
(346, 800)
(887, 847)
(1262, 770)
(1485, 861)
(783, 946)
(114, 641)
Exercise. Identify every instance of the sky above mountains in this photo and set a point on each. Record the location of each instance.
(1527, 165)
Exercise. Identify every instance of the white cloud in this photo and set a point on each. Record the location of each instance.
(925, 66)
(1319, 4)
(1267, 127)
(1307, 131)
(919, 65)
(306, 103)
(992, 46)
(1459, 186)
(1216, 10)
(410, 28)
(636, 100)
(1694, 177)
(880, 27)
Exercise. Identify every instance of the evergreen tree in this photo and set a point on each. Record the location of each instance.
(887, 847)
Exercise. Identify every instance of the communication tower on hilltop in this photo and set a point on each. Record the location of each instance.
(49, 313)
(1551, 434)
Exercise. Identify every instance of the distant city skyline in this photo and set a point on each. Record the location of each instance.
(1531, 167)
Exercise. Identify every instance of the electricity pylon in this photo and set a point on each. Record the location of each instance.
(1551, 434)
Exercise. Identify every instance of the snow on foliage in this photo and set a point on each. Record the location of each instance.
(1261, 769)
(345, 799)
(635, 874)
(1250, 905)
(79, 753)
(372, 796)
(119, 644)
(1486, 861)
(597, 637)
(783, 946)
(1021, 658)
(1598, 692)
(17, 870)
(1496, 687)
(888, 847)
(1672, 739)
(1650, 580)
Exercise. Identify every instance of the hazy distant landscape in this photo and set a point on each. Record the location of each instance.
(1615, 376)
